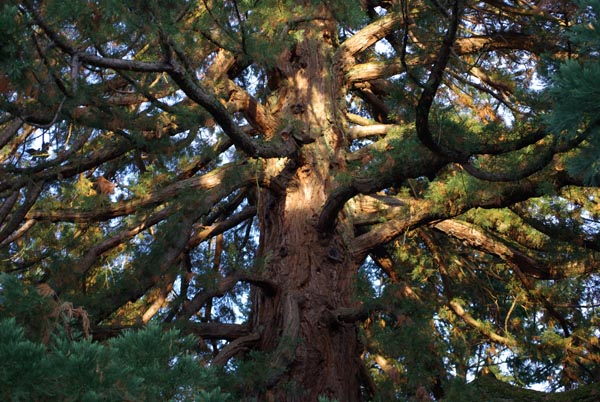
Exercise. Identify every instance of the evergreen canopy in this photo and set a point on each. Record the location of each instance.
(299, 200)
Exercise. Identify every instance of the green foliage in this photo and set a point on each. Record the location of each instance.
(575, 90)
(145, 365)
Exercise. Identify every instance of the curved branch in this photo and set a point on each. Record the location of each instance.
(559, 232)
(433, 83)
(234, 347)
(547, 150)
(540, 161)
(424, 163)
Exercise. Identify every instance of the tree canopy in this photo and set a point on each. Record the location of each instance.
(299, 199)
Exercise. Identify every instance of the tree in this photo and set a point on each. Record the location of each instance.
(350, 200)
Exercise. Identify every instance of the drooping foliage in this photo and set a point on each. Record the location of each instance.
(229, 200)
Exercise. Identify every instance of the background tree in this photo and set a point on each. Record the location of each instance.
(352, 200)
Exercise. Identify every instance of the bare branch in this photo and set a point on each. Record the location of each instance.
(357, 132)
(366, 37)
(234, 347)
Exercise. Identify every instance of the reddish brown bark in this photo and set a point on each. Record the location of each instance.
(314, 273)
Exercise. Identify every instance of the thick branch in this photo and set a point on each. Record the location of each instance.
(223, 117)
(424, 211)
(236, 346)
(537, 268)
(422, 163)
(366, 37)
(419, 212)
(357, 132)
(222, 180)
(217, 330)
(433, 83)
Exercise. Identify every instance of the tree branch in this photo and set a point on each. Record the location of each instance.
(234, 347)
(221, 227)
(223, 181)
(217, 330)
(365, 38)
(538, 268)
(16, 218)
(455, 306)
(195, 91)
(424, 211)
(103, 62)
(357, 132)
(433, 83)
(223, 286)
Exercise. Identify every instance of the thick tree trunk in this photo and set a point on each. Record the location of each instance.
(312, 355)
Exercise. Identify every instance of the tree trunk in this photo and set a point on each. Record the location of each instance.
(312, 355)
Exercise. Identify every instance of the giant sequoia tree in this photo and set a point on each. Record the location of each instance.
(343, 199)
